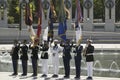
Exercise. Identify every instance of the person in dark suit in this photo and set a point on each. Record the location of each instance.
(15, 57)
(34, 57)
(88, 53)
(24, 57)
(66, 58)
(78, 58)
(44, 57)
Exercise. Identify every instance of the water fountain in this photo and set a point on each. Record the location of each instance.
(97, 67)
(114, 69)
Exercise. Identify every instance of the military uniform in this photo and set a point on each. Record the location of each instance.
(55, 59)
(15, 57)
(44, 57)
(24, 58)
(78, 58)
(89, 59)
(34, 57)
(66, 59)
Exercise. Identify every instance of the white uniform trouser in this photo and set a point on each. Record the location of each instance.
(45, 66)
(90, 69)
(55, 61)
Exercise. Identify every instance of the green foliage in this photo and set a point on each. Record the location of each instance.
(117, 10)
(13, 11)
(10, 19)
(99, 9)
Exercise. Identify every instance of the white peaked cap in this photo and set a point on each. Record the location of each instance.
(55, 40)
(89, 40)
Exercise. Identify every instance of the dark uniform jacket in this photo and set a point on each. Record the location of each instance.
(15, 52)
(24, 50)
(34, 54)
(66, 51)
(89, 53)
(78, 51)
(44, 50)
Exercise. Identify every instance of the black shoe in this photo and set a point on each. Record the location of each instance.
(77, 77)
(23, 74)
(89, 78)
(14, 74)
(66, 77)
(55, 76)
(44, 75)
(33, 75)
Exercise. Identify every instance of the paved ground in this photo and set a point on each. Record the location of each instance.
(6, 76)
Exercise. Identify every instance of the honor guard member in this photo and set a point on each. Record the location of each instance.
(15, 57)
(55, 58)
(34, 57)
(44, 57)
(78, 58)
(88, 53)
(66, 58)
(24, 57)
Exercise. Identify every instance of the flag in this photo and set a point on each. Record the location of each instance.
(52, 18)
(31, 32)
(62, 21)
(39, 18)
(77, 23)
(28, 21)
(79, 12)
(45, 34)
(78, 33)
(62, 30)
(28, 15)
(38, 29)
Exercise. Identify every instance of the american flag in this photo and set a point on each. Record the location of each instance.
(77, 23)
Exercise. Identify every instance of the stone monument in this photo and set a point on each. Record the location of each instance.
(3, 14)
(22, 12)
(88, 15)
(109, 15)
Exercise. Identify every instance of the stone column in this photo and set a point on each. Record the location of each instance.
(22, 7)
(3, 14)
(88, 15)
(109, 15)
(46, 7)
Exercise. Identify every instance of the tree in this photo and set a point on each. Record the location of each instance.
(13, 11)
(99, 9)
(117, 10)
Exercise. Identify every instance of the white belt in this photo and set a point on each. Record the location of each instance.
(89, 54)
